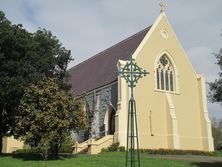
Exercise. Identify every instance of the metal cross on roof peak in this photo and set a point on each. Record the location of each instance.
(131, 72)
(162, 7)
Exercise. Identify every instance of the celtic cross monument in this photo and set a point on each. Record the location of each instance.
(131, 72)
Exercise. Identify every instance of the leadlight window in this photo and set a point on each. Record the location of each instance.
(162, 80)
(165, 79)
(158, 79)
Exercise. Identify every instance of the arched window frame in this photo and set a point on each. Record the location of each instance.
(174, 72)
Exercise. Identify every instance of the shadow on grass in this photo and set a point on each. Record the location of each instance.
(39, 157)
(207, 164)
(5, 155)
(28, 157)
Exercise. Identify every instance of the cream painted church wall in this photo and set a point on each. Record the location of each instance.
(179, 120)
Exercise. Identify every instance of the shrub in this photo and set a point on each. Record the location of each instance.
(217, 153)
(104, 150)
(28, 151)
(179, 152)
(121, 148)
(66, 146)
(112, 148)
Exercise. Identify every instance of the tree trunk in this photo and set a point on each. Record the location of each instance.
(1, 144)
(1, 130)
(54, 150)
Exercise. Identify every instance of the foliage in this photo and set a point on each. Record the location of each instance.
(122, 149)
(216, 86)
(28, 151)
(161, 151)
(112, 148)
(175, 152)
(47, 115)
(115, 147)
(67, 145)
(216, 131)
(24, 59)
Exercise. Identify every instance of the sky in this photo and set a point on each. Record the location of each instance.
(87, 27)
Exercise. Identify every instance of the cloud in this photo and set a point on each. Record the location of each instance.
(214, 110)
(204, 61)
(16, 12)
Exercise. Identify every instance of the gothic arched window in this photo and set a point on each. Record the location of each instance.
(165, 75)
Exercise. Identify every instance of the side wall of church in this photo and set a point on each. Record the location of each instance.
(98, 102)
(10, 144)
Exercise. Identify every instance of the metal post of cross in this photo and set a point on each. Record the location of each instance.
(131, 72)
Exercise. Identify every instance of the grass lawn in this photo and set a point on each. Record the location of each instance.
(112, 159)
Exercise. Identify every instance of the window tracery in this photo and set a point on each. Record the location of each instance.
(165, 79)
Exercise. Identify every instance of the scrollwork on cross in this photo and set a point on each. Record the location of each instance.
(131, 72)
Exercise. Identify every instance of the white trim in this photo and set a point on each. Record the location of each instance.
(109, 108)
(165, 91)
(120, 63)
(169, 55)
(176, 73)
(121, 85)
(148, 35)
(204, 111)
(164, 33)
(102, 87)
(179, 44)
(175, 135)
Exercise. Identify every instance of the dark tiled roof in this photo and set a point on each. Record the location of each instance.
(101, 69)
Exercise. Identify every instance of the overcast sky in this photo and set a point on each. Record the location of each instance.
(87, 27)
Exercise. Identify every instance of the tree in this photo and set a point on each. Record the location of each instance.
(48, 115)
(216, 86)
(216, 131)
(24, 59)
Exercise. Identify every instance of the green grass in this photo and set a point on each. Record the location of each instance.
(112, 159)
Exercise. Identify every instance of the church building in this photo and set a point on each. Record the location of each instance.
(171, 100)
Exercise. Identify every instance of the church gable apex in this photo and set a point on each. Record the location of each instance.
(161, 38)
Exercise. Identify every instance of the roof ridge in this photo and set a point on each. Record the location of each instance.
(147, 28)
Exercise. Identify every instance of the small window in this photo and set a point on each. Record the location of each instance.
(158, 79)
(162, 80)
(171, 81)
(165, 74)
(167, 80)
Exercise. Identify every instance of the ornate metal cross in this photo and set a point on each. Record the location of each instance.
(131, 72)
(162, 7)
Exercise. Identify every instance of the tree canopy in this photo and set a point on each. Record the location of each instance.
(216, 86)
(24, 59)
(216, 131)
(48, 115)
